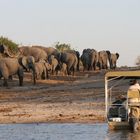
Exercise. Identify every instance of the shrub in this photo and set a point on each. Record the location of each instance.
(12, 46)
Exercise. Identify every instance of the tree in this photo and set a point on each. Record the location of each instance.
(62, 47)
(12, 46)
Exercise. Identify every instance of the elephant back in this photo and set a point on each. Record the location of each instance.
(37, 53)
(89, 58)
(11, 65)
(77, 55)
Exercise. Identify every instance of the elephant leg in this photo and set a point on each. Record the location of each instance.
(5, 74)
(5, 83)
(10, 77)
(43, 75)
(52, 71)
(20, 76)
(72, 71)
(34, 78)
(34, 75)
(37, 76)
(47, 74)
(68, 70)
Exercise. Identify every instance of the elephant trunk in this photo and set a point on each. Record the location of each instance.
(34, 74)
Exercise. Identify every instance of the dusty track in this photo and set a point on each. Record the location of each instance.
(60, 99)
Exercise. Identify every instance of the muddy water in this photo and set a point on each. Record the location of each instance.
(63, 132)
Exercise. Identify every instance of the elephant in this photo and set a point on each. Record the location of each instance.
(54, 64)
(41, 69)
(28, 63)
(64, 69)
(89, 59)
(48, 68)
(103, 58)
(9, 67)
(113, 57)
(37, 53)
(94, 59)
(70, 59)
(85, 61)
(49, 50)
(77, 55)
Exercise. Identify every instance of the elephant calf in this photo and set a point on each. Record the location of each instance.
(64, 69)
(54, 64)
(41, 70)
(9, 67)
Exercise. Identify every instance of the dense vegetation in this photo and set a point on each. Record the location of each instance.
(12, 46)
(62, 47)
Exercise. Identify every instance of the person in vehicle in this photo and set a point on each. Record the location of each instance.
(134, 101)
(119, 100)
(134, 85)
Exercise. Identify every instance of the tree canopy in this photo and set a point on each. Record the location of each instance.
(12, 46)
(62, 47)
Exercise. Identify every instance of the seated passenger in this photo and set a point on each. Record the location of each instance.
(119, 100)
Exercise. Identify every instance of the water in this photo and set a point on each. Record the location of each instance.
(62, 131)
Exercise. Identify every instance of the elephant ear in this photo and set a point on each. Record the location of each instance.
(30, 59)
(1, 48)
(117, 55)
(23, 62)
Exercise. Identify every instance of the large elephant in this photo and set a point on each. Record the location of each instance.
(48, 50)
(70, 59)
(89, 59)
(113, 57)
(103, 58)
(85, 60)
(37, 53)
(28, 63)
(9, 67)
(77, 55)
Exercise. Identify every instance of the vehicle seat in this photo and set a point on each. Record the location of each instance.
(113, 112)
(122, 112)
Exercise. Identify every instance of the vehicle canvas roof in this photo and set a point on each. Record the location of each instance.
(126, 74)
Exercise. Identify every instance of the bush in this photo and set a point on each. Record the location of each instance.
(12, 46)
(62, 47)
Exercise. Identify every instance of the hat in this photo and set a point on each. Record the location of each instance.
(133, 81)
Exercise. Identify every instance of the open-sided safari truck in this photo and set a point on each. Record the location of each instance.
(122, 105)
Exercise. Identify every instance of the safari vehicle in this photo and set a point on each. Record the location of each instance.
(118, 99)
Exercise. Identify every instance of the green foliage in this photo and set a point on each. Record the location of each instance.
(62, 47)
(12, 46)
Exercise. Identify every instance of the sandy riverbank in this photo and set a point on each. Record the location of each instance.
(60, 99)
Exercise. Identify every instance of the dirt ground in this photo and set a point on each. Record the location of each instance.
(59, 99)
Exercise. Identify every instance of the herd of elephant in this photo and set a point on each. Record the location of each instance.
(42, 61)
